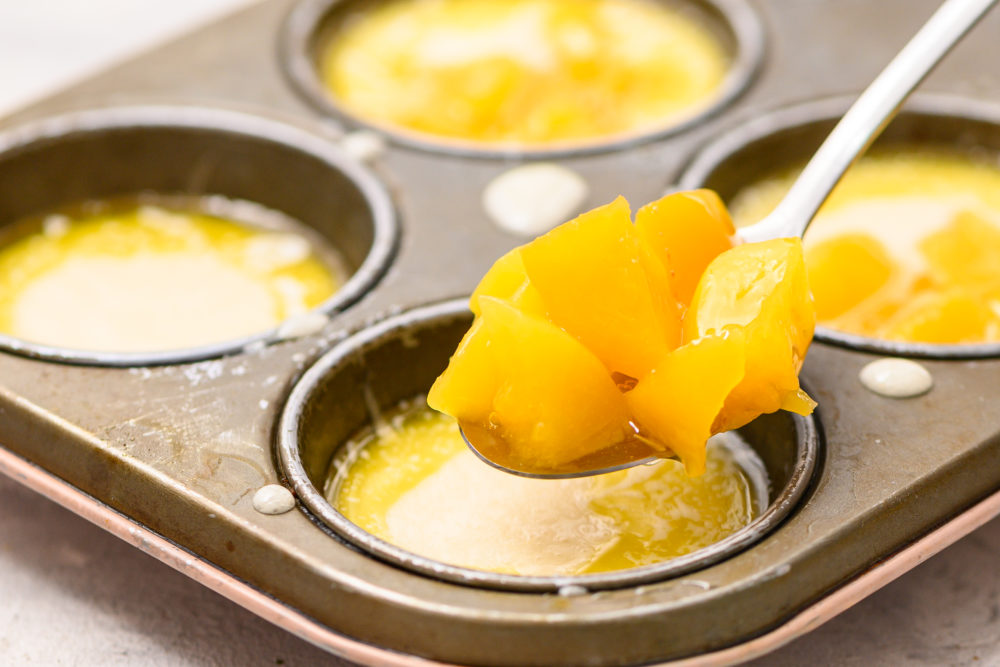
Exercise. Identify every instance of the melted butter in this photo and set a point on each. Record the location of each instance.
(135, 278)
(412, 482)
(523, 71)
(924, 218)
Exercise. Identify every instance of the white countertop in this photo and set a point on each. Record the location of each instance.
(71, 594)
(46, 45)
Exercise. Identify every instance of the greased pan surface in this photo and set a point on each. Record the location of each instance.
(181, 447)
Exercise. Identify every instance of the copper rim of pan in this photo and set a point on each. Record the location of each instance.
(922, 111)
(303, 33)
(807, 452)
(385, 229)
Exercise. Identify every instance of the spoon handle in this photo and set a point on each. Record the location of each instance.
(867, 117)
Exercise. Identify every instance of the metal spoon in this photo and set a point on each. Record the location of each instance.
(855, 132)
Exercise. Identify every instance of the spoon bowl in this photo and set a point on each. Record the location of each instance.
(491, 449)
(848, 140)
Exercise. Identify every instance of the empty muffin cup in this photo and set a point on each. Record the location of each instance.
(902, 256)
(531, 77)
(262, 193)
(388, 364)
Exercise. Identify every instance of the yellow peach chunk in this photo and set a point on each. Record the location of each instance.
(503, 279)
(685, 231)
(507, 280)
(844, 271)
(953, 316)
(966, 252)
(761, 287)
(677, 404)
(468, 384)
(594, 286)
(578, 340)
(554, 401)
(798, 402)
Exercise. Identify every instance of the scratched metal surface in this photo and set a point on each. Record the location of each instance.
(182, 447)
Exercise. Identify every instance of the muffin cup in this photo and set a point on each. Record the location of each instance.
(312, 23)
(398, 359)
(789, 136)
(190, 153)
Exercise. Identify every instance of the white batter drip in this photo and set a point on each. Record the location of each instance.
(532, 199)
(301, 325)
(273, 499)
(363, 145)
(896, 378)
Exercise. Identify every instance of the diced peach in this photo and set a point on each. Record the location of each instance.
(949, 302)
(677, 404)
(577, 334)
(966, 252)
(798, 402)
(846, 270)
(685, 231)
(468, 384)
(528, 300)
(555, 401)
(953, 316)
(594, 286)
(504, 278)
(507, 280)
(761, 287)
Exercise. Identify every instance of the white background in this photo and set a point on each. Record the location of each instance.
(48, 44)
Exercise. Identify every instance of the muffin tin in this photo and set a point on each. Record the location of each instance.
(167, 451)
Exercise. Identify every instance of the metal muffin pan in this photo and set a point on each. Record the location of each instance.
(398, 359)
(313, 23)
(199, 152)
(168, 456)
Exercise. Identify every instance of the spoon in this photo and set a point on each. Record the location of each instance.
(855, 132)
